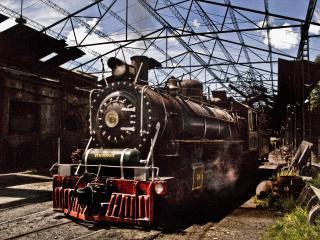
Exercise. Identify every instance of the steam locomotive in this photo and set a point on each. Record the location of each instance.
(152, 149)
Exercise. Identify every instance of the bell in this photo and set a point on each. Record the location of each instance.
(172, 84)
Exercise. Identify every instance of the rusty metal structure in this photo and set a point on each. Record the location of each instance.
(227, 45)
(220, 43)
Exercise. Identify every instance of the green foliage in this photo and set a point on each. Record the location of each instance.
(284, 204)
(315, 97)
(316, 181)
(286, 172)
(293, 226)
(315, 93)
(317, 59)
(278, 203)
(262, 203)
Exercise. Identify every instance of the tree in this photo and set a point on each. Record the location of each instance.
(315, 93)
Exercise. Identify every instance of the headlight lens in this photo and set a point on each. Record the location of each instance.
(112, 119)
(159, 188)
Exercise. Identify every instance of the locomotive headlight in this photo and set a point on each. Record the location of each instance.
(160, 188)
(112, 119)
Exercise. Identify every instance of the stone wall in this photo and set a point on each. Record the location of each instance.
(33, 113)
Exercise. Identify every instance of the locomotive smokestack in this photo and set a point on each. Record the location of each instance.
(120, 69)
(114, 62)
(147, 63)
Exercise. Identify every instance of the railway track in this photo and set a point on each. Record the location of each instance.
(45, 224)
(24, 216)
(36, 232)
(20, 211)
(39, 221)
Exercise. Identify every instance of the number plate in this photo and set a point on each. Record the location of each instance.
(198, 170)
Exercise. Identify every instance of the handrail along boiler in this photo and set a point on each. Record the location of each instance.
(152, 149)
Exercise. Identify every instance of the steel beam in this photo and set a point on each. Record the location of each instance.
(256, 11)
(305, 31)
(177, 36)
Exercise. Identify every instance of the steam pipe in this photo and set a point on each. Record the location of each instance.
(138, 73)
(142, 107)
(90, 112)
(153, 143)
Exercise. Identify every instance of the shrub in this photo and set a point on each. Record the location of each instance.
(263, 203)
(316, 181)
(293, 226)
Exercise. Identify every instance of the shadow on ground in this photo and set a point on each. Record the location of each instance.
(21, 188)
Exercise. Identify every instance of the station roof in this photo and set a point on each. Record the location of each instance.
(26, 49)
(230, 45)
(3, 17)
(26, 45)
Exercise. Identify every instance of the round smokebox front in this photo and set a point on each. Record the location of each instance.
(117, 120)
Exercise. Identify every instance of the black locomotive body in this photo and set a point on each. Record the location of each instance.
(152, 149)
